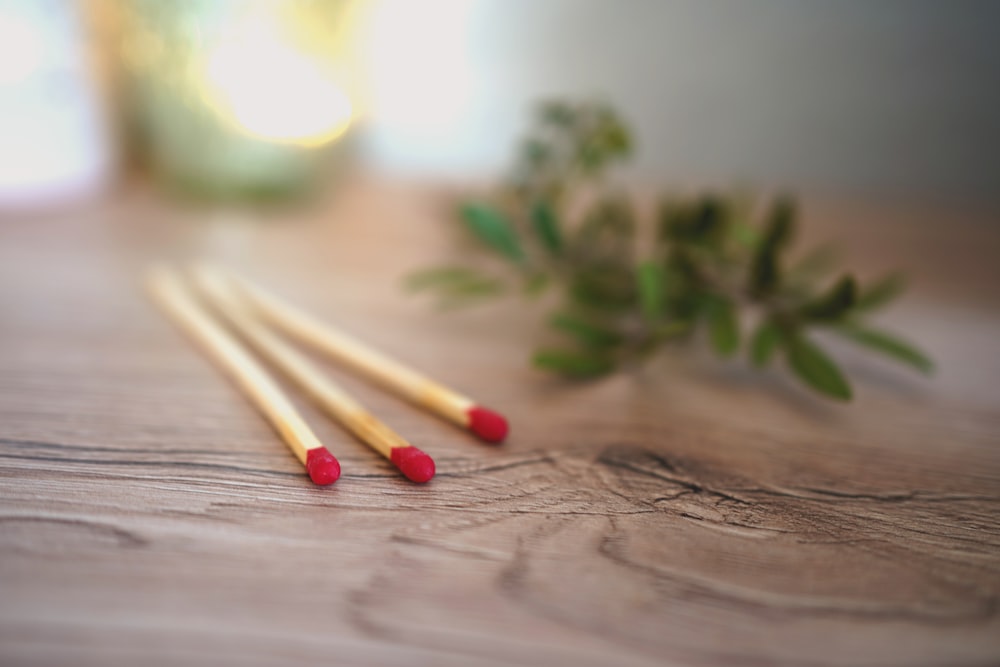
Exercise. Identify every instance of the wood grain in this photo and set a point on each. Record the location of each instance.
(689, 514)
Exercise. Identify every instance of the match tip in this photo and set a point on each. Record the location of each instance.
(415, 464)
(487, 424)
(322, 466)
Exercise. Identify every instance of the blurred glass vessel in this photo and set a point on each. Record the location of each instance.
(239, 98)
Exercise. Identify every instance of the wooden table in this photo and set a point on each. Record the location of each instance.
(694, 513)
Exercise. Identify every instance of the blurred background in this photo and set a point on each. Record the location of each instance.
(263, 98)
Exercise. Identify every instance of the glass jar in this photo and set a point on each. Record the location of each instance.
(239, 98)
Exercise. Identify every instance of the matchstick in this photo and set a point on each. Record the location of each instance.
(172, 296)
(374, 365)
(415, 464)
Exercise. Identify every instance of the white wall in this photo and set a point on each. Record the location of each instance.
(883, 96)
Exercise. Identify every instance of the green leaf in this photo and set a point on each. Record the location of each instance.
(536, 284)
(557, 113)
(887, 344)
(456, 286)
(764, 275)
(816, 369)
(591, 156)
(765, 341)
(834, 303)
(651, 281)
(449, 302)
(723, 326)
(881, 292)
(493, 229)
(608, 232)
(586, 332)
(672, 329)
(609, 287)
(815, 264)
(546, 226)
(704, 222)
(781, 223)
(536, 152)
(475, 288)
(746, 235)
(765, 270)
(672, 220)
(574, 364)
(598, 138)
(618, 140)
(444, 277)
(710, 221)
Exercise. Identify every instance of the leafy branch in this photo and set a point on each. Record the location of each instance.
(711, 268)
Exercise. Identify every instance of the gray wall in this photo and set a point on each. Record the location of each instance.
(885, 97)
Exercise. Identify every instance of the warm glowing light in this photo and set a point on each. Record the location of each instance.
(270, 89)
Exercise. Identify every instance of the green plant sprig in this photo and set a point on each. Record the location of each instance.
(712, 269)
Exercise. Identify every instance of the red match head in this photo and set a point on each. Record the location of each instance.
(322, 466)
(487, 424)
(415, 464)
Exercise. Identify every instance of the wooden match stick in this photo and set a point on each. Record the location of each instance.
(170, 294)
(415, 464)
(374, 365)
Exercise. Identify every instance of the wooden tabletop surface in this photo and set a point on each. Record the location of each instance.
(693, 513)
